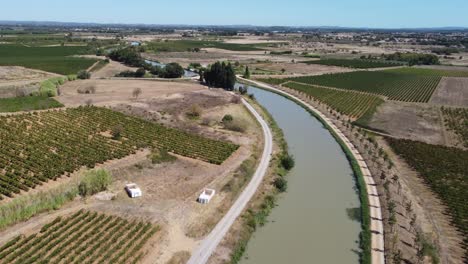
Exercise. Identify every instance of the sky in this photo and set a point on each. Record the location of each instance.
(345, 13)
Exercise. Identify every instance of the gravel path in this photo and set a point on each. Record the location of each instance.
(211, 241)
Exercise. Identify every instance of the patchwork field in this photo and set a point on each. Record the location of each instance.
(51, 59)
(42, 146)
(84, 237)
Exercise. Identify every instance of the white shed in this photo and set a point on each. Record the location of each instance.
(133, 190)
(206, 195)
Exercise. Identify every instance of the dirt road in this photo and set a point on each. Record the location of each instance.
(211, 241)
(376, 227)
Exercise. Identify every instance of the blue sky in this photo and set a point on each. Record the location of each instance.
(352, 13)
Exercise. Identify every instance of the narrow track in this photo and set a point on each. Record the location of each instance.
(212, 240)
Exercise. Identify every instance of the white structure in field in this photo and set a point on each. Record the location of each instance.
(133, 190)
(206, 195)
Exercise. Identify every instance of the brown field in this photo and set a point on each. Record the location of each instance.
(13, 78)
(111, 69)
(451, 91)
(410, 121)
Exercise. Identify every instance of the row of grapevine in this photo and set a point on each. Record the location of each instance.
(350, 103)
(403, 84)
(445, 170)
(395, 86)
(81, 238)
(456, 120)
(37, 147)
(356, 63)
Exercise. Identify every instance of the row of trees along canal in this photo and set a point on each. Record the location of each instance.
(398, 214)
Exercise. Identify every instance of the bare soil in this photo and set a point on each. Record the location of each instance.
(451, 91)
(114, 92)
(298, 68)
(111, 69)
(411, 121)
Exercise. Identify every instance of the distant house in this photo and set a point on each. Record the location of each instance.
(206, 195)
(133, 190)
(135, 43)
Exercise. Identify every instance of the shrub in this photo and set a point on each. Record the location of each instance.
(194, 112)
(280, 184)
(160, 156)
(83, 75)
(235, 125)
(287, 162)
(243, 90)
(140, 72)
(227, 118)
(94, 181)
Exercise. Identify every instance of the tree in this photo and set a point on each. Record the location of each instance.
(220, 75)
(247, 73)
(200, 72)
(172, 71)
(136, 92)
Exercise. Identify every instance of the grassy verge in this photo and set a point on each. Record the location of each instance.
(24, 207)
(365, 236)
(28, 103)
(101, 64)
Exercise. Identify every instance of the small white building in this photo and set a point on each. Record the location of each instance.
(133, 190)
(206, 195)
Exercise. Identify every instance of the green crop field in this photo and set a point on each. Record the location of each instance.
(185, 45)
(83, 237)
(27, 103)
(41, 146)
(355, 63)
(456, 120)
(350, 103)
(52, 59)
(445, 170)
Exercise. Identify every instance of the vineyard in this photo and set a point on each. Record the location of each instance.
(52, 59)
(429, 72)
(38, 147)
(456, 120)
(395, 86)
(355, 63)
(445, 170)
(27, 103)
(84, 237)
(403, 84)
(352, 104)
